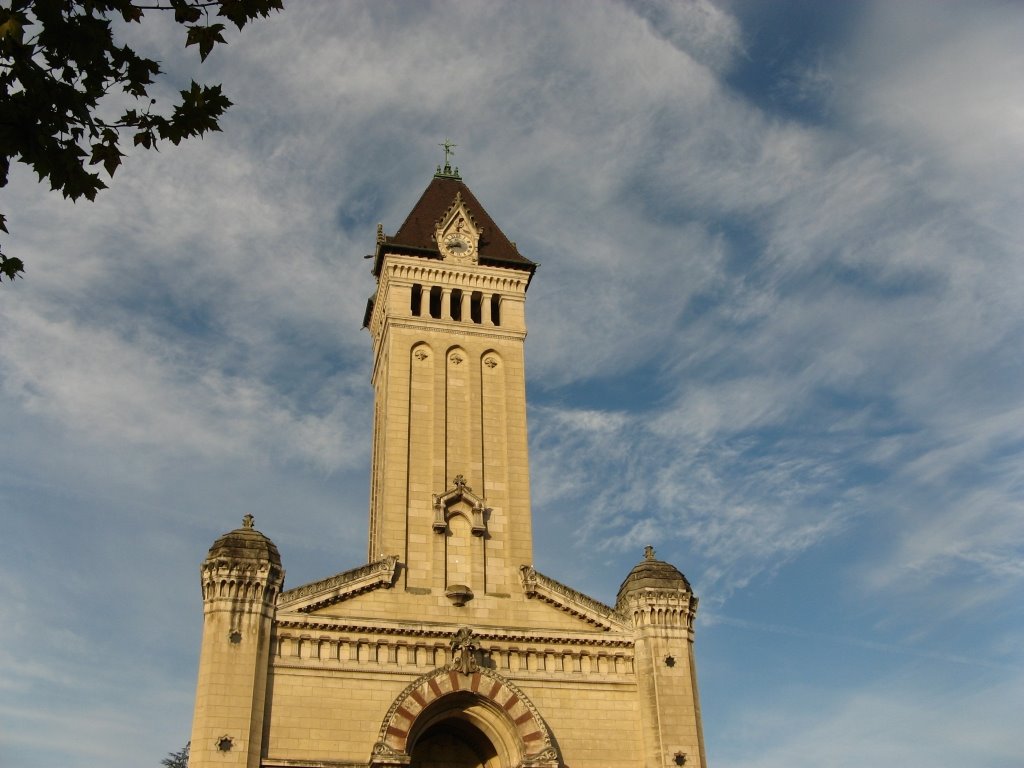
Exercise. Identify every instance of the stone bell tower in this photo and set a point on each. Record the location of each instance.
(450, 489)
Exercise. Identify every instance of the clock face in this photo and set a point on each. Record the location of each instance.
(458, 245)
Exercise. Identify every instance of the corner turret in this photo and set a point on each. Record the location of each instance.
(241, 579)
(658, 600)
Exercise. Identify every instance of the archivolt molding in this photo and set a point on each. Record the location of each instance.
(569, 600)
(340, 587)
(537, 749)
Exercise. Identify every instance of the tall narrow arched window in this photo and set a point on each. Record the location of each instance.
(416, 301)
(435, 302)
(456, 304)
(475, 308)
(496, 309)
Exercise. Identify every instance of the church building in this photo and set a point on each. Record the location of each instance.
(448, 647)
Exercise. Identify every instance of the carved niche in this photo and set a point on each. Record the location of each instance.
(460, 492)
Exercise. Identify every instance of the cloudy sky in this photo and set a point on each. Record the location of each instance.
(777, 332)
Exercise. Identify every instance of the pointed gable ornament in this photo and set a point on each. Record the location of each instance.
(457, 234)
(460, 492)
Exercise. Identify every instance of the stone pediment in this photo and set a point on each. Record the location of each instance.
(340, 587)
(537, 585)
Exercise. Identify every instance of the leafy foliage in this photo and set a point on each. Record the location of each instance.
(177, 759)
(61, 67)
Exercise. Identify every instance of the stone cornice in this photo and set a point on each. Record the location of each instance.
(340, 587)
(416, 269)
(460, 329)
(569, 600)
(368, 630)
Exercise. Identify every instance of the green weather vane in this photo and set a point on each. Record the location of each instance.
(449, 152)
(449, 149)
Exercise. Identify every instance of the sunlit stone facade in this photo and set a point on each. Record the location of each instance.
(448, 648)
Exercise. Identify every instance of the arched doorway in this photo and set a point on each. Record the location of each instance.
(454, 743)
(458, 720)
(463, 730)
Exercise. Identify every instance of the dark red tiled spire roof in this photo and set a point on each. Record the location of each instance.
(416, 235)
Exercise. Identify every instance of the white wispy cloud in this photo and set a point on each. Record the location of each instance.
(754, 338)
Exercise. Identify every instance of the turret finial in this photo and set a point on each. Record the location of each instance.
(648, 552)
(247, 521)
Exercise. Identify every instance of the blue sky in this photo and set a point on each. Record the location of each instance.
(777, 332)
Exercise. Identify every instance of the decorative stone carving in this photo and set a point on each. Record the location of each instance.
(420, 354)
(380, 748)
(490, 362)
(460, 491)
(464, 652)
(546, 758)
(456, 358)
(384, 756)
(569, 600)
(459, 594)
(457, 234)
(529, 579)
(341, 586)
